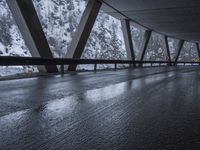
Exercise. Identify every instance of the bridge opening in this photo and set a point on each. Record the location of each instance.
(54, 96)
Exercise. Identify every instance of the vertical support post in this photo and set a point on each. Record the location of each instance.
(147, 36)
(29, 25)
(166, 47)
(83, 31)
(179, 48)
(128, 39)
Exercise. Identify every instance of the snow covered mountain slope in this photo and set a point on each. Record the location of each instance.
(60, 18)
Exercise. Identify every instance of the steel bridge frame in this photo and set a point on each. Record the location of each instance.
(29, 25)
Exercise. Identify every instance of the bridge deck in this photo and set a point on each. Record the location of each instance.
(146, 108)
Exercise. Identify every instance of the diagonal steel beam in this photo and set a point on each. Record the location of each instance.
(83, 31)
(147, 37)
(166, 47)
(128, 39)
(29, 25)
(179, 48)
(198, 49)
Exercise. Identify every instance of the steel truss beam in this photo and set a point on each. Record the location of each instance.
(147, 37)
(83, 31)
(166, 47)
(198, 50)
(179, 48)
(29, 25)
(128, 39)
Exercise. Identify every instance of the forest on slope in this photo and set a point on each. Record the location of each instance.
(60, 19)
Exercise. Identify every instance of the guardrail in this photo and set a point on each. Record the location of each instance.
(27, 61)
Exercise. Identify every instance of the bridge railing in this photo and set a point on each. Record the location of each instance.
(28, 61)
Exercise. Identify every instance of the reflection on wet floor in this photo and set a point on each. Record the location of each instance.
(123, 111)
(100, 94)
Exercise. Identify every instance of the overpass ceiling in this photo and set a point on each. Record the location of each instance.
(175, 18)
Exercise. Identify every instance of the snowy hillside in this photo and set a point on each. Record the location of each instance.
(60, 19)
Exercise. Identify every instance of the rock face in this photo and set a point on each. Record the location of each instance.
(60, 18)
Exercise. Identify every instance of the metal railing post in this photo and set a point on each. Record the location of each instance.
(115, 66)
(95, 67)
(62, 68)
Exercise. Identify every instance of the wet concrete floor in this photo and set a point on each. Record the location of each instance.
(142, 109)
